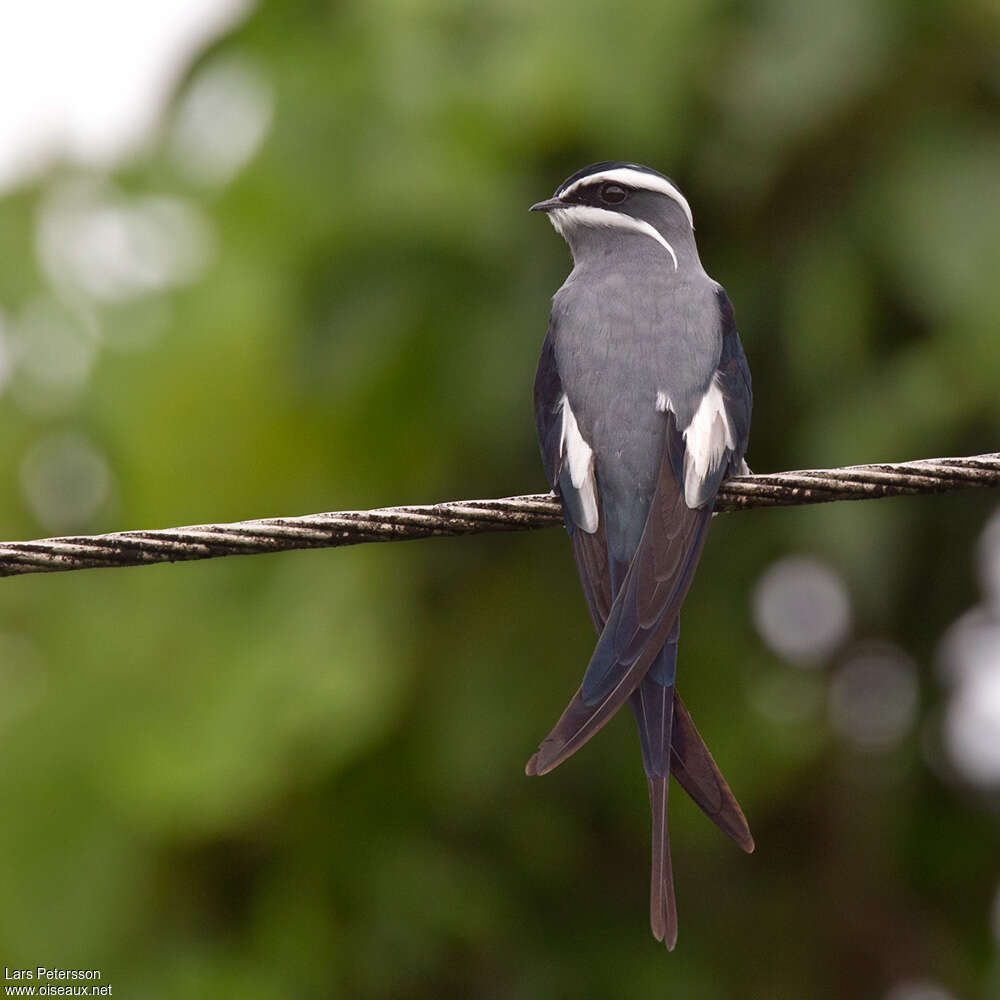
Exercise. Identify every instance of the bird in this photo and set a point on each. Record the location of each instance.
(642, 400)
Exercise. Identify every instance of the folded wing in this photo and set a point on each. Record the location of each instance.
(691, 762)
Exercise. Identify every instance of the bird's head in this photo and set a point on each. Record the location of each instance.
(596, 206)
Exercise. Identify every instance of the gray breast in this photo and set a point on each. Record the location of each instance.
(629, 329)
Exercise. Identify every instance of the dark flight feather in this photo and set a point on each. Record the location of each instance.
(639, 621)
(691, 761)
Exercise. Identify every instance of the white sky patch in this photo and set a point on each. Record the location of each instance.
(89, 81)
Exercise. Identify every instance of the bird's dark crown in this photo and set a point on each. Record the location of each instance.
(602, 167)
(609, 186)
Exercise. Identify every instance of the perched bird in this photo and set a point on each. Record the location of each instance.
(642, 401)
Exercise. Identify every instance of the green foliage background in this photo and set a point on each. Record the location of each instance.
(301, 775)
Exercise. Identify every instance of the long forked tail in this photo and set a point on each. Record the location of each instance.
(670, 742)
(653, 705)
(662, 904)
(694, 767)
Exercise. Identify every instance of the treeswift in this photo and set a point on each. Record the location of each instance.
(642, 401)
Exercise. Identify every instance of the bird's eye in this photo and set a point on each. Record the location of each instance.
(613, 194)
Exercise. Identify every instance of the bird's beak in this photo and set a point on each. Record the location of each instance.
(546, 206)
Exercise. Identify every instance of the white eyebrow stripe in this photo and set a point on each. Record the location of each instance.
(635, 179)
(587, 215)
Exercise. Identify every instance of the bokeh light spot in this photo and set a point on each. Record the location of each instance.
(52, 349)
(65, 481)
(221, 120)
(801, 609)
(918, 989)
(971, 646)
(111, 248)
(972, 728)
(988, 554)
(874, 697)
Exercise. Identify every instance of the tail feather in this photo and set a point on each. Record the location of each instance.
(695, 769)
(653, 706)
(662, 904)
(577, 724)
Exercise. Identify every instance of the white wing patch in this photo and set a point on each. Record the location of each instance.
(706, 439)
(587, 215)
(579, 456)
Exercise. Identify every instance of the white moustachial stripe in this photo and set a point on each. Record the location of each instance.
(587, 215)
(579, 456)
(634, 179)
(706, 439)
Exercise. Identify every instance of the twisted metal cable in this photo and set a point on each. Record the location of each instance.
(469, 517)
